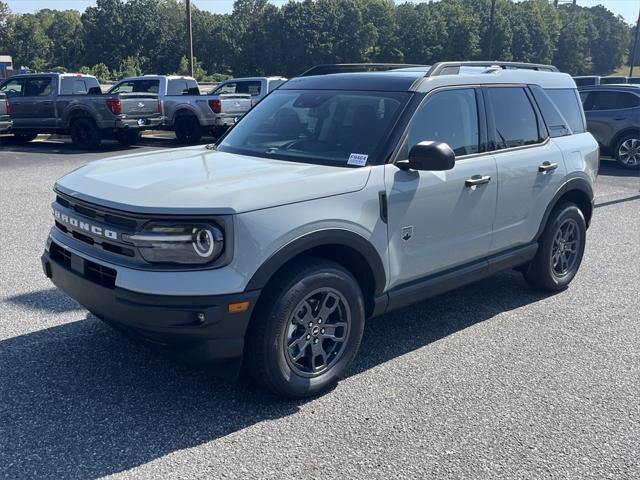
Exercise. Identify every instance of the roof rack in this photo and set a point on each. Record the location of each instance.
(355, 67)
(453, 68)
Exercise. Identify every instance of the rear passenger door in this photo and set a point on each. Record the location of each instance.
(437, 220)
(530, 166)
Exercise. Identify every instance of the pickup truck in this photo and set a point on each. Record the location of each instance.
(5, 110)
(74, 104)
(184, 109)
(257, 87)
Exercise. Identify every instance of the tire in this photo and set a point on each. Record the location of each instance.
(24, 137)
(292, 315)
(627, 151)
(129, 138)
(85, 135)
(560, 250)
(187, 129)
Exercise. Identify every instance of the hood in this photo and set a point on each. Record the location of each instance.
(198, 180)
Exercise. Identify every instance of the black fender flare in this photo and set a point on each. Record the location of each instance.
(321, 238)
(574, 184)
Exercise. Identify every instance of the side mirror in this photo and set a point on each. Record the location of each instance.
(428, 155)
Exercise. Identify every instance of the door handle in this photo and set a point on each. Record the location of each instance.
(476, 180)
(547, 167)
(619, 118)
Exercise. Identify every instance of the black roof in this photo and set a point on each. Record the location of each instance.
(612, 86)
(389, 81)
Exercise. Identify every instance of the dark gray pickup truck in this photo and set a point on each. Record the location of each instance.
(5, 110)
(74, 104)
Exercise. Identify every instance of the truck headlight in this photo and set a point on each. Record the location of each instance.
(186, 244)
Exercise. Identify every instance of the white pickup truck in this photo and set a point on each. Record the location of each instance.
(184, 109)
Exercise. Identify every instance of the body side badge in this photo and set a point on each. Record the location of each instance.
(407, 232)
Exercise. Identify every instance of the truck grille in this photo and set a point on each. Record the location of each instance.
(94, 272)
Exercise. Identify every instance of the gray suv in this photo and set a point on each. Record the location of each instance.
(337, 198)
(613, 117)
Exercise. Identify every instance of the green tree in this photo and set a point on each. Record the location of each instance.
(130, 67)
(573, 53)
(421, 32)
(609, 46)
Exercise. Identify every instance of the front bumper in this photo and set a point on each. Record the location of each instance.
(197, 329)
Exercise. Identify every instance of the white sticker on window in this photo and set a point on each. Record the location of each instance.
(357, 159)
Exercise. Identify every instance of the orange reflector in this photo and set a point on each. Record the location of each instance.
(238, 307)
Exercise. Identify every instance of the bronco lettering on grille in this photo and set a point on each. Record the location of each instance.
(87, 227)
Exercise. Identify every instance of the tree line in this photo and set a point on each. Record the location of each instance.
(117, 37)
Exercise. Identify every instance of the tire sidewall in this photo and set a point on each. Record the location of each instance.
(616, 152)
(187, 130)
(94, 134)
(566, 212)
(282, 310)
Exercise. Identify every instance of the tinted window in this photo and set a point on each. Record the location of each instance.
(568, 104)
(275, 84)
(317, 126)
(451, 117)
(516, 122)
(182, 86)
(610, 80)
(136, 86)
(610, 100)
(251, 87)
(13, 88)
(73, 86)
(37, 87)
(587, 81)
(557, 125)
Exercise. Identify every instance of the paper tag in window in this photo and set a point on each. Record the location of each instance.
(357, 159)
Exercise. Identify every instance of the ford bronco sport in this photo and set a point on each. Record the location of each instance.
(339, 197)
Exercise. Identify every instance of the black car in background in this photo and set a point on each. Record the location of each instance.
(613, 118)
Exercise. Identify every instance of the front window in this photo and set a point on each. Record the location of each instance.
(317, 126)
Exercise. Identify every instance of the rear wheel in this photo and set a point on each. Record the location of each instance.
(24, 137)
(627, 151)
(130, 137)
(85, 134)
(187, 129)
(303, 339)
(560, 250)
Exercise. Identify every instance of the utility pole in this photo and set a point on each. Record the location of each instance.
(492, 28)
(189, 37)
(634, 51)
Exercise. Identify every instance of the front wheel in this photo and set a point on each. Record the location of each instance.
(303, 339)
(627, 151)
(560, 250)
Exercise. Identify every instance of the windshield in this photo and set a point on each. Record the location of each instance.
(317, 126)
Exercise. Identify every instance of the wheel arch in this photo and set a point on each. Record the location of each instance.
(576, 190)
(78, 112)
(184, 111)
(346, 248)
(619, 135)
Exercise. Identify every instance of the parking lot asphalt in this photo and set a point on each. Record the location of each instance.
(490, 381)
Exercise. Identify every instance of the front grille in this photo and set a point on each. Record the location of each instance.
(94, 272)
(96, 213)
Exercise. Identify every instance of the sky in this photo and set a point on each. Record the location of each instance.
(627, 8)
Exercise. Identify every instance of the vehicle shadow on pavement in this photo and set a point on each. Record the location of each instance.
(51, 300)
(611, 168)
(65, 147)
(82, 400)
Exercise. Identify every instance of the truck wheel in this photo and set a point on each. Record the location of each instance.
(560, 250)
(627, 151)
(85, 134)
(24, 137)
(128, 138)
(305, 336)
(187, 130)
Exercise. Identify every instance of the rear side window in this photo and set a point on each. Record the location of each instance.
(182, 86)
(557, 125)
(451, 117)
(609, 100)
(568, 103)
(515, 120)
(37, 87)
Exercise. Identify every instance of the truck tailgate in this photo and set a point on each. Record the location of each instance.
(235, 102)
(139, 104)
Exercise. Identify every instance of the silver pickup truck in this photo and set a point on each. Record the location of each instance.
(74, 104)
(184, 109)
(5, 110)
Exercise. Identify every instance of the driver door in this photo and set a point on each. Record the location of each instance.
(439, 220)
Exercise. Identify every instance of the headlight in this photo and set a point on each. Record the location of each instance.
(186, 244)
